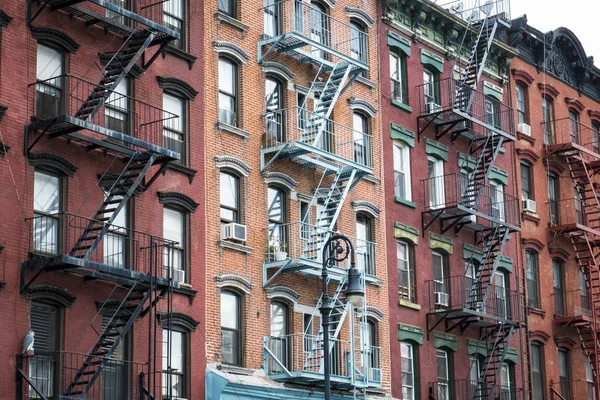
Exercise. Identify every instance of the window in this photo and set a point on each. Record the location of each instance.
(365, 256)
(533, 295)
(497, 200)
(475, 364)
(467, 188)
(174, 364)
(361, 139)
(439, 272)
(277, 220)
(230, 198)
(372, 349)
(228, 7)
(402, 171)
(231, 334)
(271, 17)
(319, 27)
(564, 372)
(279, 334)
(116, 112)
(174, 229)
(47, 203)
(574, 126)
(228, 91)
(44, 367)
(301, 100)
(431, 91)
(435, 172)
(596, 137)
(548, 115)
(115, 379)
(274, 116)
(49, 88)
(537, 370)
(116, 240)
(307, 329)
(589, 378)
(553, 197)
(304, 220)
(506, 384)
(492, 113)
(398, 77)
(585, 295)
(174, 18)
(358, 42)
(174, 131)
(501, 295)
(408, 367)
(558, 279)
(526, 183)
(579, 207)
(406, 271)
(443, 375)
(521, 104)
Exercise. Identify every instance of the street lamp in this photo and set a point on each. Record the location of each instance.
(339, 249)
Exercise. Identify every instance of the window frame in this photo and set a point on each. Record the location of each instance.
(232, 97)
(361, 139)
(541, 373)
(60, 87)
(533, 289)
(398, 60)
(596, 136)
(411, 289)
(449, 373)
(566, 384)
(402, 150)
(284, 341)
(558, 268)
(275, 117)
(239, 332)
(527, 192)
(238, 179)
(363, 52)
(186, 361)
(233, 8)
(281, 224)
(183, 247)
(183, 32)
(42, 216)
(574, 126)
(431, 80)
(521, 104)
(367, 256)
(440, 284)
(183, 124)
(436, 183)
(554, 198)
(548, 119)
(414, 363)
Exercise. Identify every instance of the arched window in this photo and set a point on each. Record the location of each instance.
(361, 139)
(274, 111)
(548, 117)
(228, 91)
(365, 255)
(277, 213)
(279, 341)
(230, 195)
(574, 126)
(231, 328)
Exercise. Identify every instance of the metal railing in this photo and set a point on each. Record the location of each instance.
(57, 234)
(298, 125)
(575, 303)
(472, 10)
(569, 130)
(288, 241)
(50, 374)
(453, 190)
(325, 36)
(580, 389)
(467, 389)
(302, 353)
(450, 95)
(462, 293)
(574, 211)
(64, 95)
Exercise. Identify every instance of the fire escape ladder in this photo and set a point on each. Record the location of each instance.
(113, 333)
(487, 150)
(497, 340)
(343, 181)
(116, 69)
(115, 199)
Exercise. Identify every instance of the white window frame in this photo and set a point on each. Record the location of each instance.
(500, 286)
(439, 284)
(408, 355)
(465, 185)
(436, 184)
(498, 202)
(174, 256)
(181, 375)
(443, 382)
(402, 166)
(406, 263)
(46, 223)
(505, 383)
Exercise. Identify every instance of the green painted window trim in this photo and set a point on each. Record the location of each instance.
(407, 232)
(488, 91)
(401, 105)
(398, 132)
(436, 149)
(466, 162)
(411, 333)
(512, 355)
(472, 251)
(433, 60)
(505, 263)
(409, 304)
(445, 340)
(476, 347)
(499, 175)
(440, 242)
(395, 40)
(405, 202)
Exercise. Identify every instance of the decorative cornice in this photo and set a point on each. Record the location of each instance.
(235, 281)
(178, 86)
(52, 162)
(539, 336)
(522, 76)
(232, 49)
(560, 253)
(365, 206)
(49, 292)
(360, 14)
(363, 105)
(565, 342)
(177, 319)
(375, 313)
(555, 166)
(548, 89)
(594, 115)
(177, 199)
(532, 244)
(237, 164)
(54, 37)
(528, 155)
(283, 291)
(271, 67)
(575, 104)
(281, 179)
(4, 19)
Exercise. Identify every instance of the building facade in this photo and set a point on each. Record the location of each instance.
(102, 147)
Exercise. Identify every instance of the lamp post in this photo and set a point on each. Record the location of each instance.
(339, 249)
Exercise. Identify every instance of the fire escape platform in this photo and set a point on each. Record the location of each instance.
(317, 379)
(573, 228)
(560, 148)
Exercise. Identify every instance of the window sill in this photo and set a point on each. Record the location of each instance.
(180, 54)
(182, 169)
(409, 304)
(367, 82)
(235, 369)
(405, 202)
(186, 290)
(527, 216)
(231, 21)
(226, 244)
(372, 179)
(536, 311)
(401, 105)
(234, 130)
(521, 136)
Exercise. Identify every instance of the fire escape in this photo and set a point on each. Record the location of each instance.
(81, 111)
(578, 220)
(471, 200)
(311, 139)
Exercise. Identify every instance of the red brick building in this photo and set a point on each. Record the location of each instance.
(103, 208)
(457, 323)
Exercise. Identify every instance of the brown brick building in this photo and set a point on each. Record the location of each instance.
(103, 208)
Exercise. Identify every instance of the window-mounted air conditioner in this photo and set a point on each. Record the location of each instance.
(233, 231)
(433, 107)
(529, 205)
(524, 129)
(375, 374)
(178, 275)
(441, 299)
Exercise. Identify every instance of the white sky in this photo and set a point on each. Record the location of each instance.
(580, 16)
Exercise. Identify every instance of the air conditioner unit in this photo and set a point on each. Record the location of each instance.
(441, 299)
(178, 275)
(479, 307)
(233, 231)
(375, 374)
(433, 107)
(529, 205)
(524, 129)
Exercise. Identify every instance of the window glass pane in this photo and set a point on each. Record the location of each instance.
(49, 63)
(278, 320)
(229, 197)
(173, 105)
(229, 310)
(173, 225)
(46, 193)
(226, 76)
(275, 198)
(174, 382)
